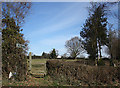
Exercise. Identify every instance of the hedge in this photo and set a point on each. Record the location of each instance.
(74, 73)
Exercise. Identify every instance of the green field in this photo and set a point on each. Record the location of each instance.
(38, 66)
(37, 61)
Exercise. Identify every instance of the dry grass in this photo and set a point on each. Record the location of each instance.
(31, 82)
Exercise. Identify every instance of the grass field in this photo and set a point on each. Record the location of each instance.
(38, 61)
(38, 66)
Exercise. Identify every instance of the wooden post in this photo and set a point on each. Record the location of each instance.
(45, 69)
(30, 61)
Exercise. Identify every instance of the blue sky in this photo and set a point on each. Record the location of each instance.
(50, 24)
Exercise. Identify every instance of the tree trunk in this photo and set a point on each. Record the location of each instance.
(100, 49)
(111, 56)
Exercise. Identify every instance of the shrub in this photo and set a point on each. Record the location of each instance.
(100, 63)
(111, 63)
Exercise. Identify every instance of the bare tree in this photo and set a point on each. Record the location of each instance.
(74, 47)
(64, 55)
(16, 10)
(112, 44)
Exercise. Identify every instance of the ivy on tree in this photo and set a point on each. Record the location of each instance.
(14, 58)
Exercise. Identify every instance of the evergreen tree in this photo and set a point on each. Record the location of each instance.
(89, 42)
(53, 54)
(45, 55)
(94, 31)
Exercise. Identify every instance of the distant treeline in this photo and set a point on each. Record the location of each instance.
(35, 57)
(41, 57)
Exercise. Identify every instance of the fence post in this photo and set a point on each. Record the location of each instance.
(45, 69)
(30, 61)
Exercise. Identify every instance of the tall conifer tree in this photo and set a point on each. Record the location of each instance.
(94, 31)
